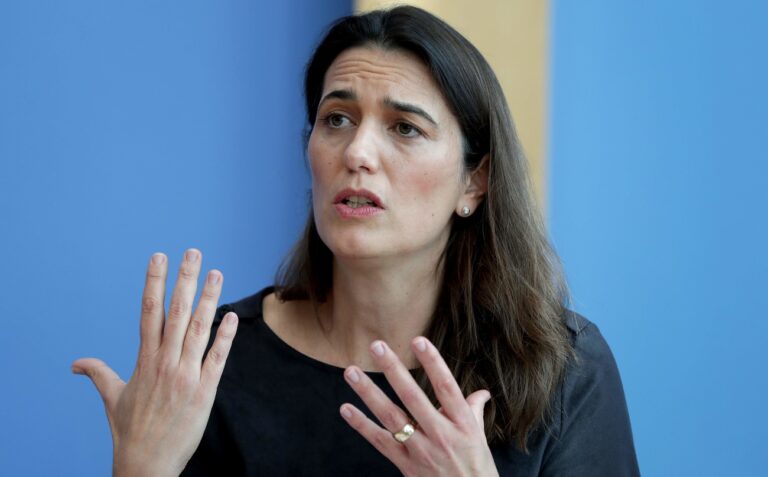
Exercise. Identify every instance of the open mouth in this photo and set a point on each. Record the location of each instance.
(356, 201)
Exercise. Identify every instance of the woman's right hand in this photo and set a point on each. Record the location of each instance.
(157, 419)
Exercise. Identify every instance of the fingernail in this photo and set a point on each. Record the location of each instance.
(353, 375)
(77, 370)
(346, 412)
(191, 256)
(421, 344)
(230, 319)
(213, 278)
(378, 348)
(158, 258)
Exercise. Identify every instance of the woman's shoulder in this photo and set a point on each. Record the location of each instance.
(248, 309)
(587, 341)
(592, 368)
(284, 323)
(591, 414)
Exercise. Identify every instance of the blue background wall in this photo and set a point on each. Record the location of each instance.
(128, 128)
(658, 204)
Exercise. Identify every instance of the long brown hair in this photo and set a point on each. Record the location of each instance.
(499, 316)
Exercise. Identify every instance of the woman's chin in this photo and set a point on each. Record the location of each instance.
(356, 251)
(354, 244)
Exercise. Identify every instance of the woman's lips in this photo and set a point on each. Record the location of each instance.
(358, 194)
(361, 211)
(357, 203)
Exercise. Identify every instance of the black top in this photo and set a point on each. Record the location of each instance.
(277, 413)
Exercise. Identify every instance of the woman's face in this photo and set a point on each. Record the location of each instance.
(386, 158)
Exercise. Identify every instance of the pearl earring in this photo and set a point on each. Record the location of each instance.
(465, 211)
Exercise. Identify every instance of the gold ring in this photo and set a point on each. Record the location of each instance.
(404, 434)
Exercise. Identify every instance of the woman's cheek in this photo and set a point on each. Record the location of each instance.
(434, 184)
(425, 202)
(320, 167)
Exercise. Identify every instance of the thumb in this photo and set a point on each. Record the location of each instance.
(107, 382)
(477, 401)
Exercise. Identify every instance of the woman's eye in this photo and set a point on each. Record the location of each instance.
(336, 120)
(407, 130)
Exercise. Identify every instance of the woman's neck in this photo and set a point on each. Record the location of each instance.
(393, 303)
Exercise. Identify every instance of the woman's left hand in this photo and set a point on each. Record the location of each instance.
(446, 442)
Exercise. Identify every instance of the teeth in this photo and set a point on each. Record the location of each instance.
(356, 201)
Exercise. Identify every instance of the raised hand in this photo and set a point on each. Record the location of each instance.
(446, 442)
(157, 419)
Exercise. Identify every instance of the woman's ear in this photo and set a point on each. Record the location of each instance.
(477, 187)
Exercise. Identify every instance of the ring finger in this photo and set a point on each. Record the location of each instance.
(391, 416)
(377, 436)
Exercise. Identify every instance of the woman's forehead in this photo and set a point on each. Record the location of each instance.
(398, 74)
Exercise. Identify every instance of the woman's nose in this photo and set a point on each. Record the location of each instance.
(362, 153)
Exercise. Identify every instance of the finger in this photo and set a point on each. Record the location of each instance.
(214, 362)
(406, 388)
(180, 308)
(199, 328)
(107, 382)
(379, 438)
(389, 415)
(477, 401)
(152, 305)
(443, 382)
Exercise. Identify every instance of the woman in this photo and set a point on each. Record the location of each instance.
(418, 327)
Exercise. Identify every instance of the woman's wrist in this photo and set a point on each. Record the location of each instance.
(126, 465)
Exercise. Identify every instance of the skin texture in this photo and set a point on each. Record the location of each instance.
(385, 280)
(385, 268)
(158, 417)
(414, 166)
(449, 441)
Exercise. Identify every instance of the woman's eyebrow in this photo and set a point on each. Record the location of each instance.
(345, 94)
(409, 108)
(349, 95)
